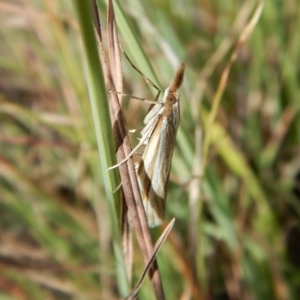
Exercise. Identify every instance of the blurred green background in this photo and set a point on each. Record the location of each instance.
(237, 233)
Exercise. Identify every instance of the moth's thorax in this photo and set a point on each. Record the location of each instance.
(170, 98)
(171, 115)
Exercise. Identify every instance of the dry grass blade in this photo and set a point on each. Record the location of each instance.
(127, 170)
(96, 18)
(194, 203)
(157, 247)
(229, 40)
(224, 77)
(200, 164)
(126, 237)
(116, 73)
(276, 140)
(114, 50)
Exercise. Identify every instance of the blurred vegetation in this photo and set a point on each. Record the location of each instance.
(55, 226)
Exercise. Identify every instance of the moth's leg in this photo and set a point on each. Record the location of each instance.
(145, 137)
(135, 97)
(134, 130)
(117, 188)
(141, 142)
(148, 80)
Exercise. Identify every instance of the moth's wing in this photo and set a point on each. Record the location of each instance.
(153, 203)
(153, 170)
(153, 112)
(147, 131)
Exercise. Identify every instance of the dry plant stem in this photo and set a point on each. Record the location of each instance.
(183, 264)
(114, 50)
(116, 73)
(224, 77)
(195, 196)
(199, 165)
(126, 239)
(157, 247)
(228, 41)
(127, 173)
(194, 203)
(226, 44)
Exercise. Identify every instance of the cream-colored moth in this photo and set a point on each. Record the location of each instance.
(153, 170)
(158, 137)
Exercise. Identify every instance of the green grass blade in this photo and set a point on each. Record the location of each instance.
(103, 130)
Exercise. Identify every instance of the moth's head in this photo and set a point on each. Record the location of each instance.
(177, 79)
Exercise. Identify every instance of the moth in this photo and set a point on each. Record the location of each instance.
(158, 136)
